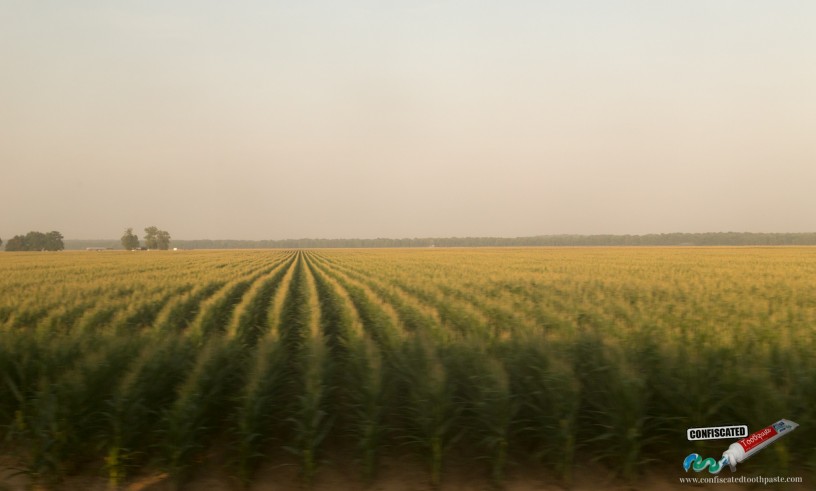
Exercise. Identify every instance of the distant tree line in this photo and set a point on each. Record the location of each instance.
(36, 241)
(672, 239)
(154, 239)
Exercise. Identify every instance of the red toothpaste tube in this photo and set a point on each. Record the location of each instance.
(750, 445)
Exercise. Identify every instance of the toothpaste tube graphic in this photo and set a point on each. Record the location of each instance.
(750, 445)
(742, 450)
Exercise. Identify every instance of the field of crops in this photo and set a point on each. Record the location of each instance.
(120, 362)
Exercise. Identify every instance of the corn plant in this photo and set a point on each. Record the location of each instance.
(548, 396)
(366, 402)
(259, 408)
(490, 406)
(310, 420)
(132, 409)
(60, 421)
(201, 401)
(617, 412)
(431, 412)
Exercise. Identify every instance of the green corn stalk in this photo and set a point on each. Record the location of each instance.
(57, 425)
(547, 393)
(618, 408)
(145, 390)
(494, 409)
(431, 410)
(310, 420)
(258, 407)
(43, 440)
(366, 401)
(200, 403)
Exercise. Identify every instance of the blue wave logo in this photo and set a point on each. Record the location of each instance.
(691, 458)
(699, 464)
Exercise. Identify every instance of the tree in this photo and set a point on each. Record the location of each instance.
(16, 243)
(53, 241)
(130, 240)
(163, 240)
(36, 241)
(150, 239)
(157, 239)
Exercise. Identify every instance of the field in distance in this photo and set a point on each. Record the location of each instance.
(124, 365)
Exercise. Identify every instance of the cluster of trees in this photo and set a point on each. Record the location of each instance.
(36, 241)
(154, 239)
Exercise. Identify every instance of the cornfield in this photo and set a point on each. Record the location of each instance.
(118, 363)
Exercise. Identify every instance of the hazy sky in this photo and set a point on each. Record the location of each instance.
(270, 119)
